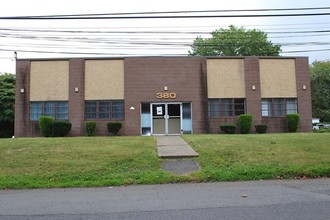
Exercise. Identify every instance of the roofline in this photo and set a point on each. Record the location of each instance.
(127, 57)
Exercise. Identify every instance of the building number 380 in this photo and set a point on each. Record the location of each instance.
(166, 95)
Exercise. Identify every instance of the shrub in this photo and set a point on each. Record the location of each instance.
(114, 127)
(46, 126)
(261, 129)
(61, 128)
(90, 127)
(245, 123)
(228, 129)
(292, 122)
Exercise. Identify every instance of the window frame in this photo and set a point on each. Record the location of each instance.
(225, 107)
(104, 115)
(50, 108)
(271, 102)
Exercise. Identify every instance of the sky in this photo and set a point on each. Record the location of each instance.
(299, 36)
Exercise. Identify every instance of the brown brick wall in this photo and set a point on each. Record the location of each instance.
(22, 122)
(274, 124)
(253, 97)
(304, 96)
(144, 77)
(76, 99)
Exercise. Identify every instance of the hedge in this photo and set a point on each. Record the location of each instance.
(90, 127)
(292, 122)
(61, 128)
(46, 126)
(228, 128)
(245, 123)
(261, 129)
(114, 127)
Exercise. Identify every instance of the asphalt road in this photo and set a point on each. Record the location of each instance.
(280, 199)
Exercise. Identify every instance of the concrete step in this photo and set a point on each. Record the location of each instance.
(174, 147)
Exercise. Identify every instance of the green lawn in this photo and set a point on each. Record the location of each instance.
(266, 156)
(109, 161)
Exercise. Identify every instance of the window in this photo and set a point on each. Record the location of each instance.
(58, 110)
(226, 107)
(278, 107)
(104, 109)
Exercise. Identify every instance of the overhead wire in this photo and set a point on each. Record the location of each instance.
(137, 39)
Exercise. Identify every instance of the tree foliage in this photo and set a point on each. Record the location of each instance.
(320, 81)
(7, 104)
(7, 97)
(235, 41)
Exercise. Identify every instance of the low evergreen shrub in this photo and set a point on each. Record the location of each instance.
(245, 123)
(261, 129)
(114, 127)
(228, 128)
(292, 122)
(61, 128)
(46, 126)
(90, 127)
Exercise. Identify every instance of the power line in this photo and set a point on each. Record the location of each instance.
(164, 17)
(71, 16)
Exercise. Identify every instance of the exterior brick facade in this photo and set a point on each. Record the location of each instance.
(144, 77)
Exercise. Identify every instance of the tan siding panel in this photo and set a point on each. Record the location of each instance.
(225, 78)
(49, 81)
(104, 79)
(277, 78)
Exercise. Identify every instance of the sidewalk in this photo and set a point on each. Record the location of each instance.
(174, 147)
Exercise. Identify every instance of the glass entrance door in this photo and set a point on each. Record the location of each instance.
(166, 118)
(158, 118)
(173, 118)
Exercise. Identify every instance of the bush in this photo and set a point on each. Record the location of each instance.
(228, 129)
(90, 127)
(61, 128)
(292, 122)
(261, 129)
(114, 127)
(46, 126)
(245, 123)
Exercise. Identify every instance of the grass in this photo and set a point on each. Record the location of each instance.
(111, 161)
(266, 156)
(79, 161)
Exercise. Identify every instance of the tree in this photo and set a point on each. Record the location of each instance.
(7, 100)
(320, 82)
(235, 41)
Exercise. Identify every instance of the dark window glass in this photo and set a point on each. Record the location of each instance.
(239, 106)
(90, 109)
(278, 107)
(104, 109)
(117, 109)
(214, 108)
(59, 110)
(225, 107)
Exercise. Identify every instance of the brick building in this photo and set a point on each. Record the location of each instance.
(162, 95)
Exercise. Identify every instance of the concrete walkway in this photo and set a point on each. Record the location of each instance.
(174, 147)
(178, 155)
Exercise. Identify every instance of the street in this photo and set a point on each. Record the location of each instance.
(268, 199)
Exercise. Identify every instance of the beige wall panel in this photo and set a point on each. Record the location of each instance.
(225, 78)
(277, 78)
(49, 81)
(104, 79)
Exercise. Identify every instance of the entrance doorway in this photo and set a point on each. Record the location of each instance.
(166, 118)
